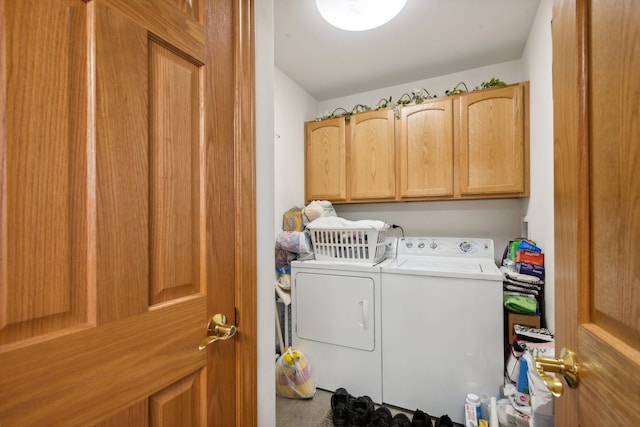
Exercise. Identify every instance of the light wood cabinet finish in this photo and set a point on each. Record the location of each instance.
(492, 157)
(325, 160)
(426, 149)
(470, 146)
(371, 152)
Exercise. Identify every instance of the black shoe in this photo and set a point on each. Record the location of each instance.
(381, 418)
(340, 406)
(360, 411)
(400, 420)
(444, 421)
(421, 419)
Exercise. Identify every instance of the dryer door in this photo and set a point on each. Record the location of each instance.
(335, 309)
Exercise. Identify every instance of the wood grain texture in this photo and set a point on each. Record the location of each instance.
(101, 364)
(67, 379)
(135, 415)
(43, 172)
(596, 199)
(371, 156)
(615, 156)
(426, 149)
(246, 364)
(175, 94)
(325, 160)
(178, 404)
(166, 22)
(567, 250)
(492, 141)
(122, 165)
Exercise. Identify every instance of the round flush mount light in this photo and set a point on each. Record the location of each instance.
(359, 15)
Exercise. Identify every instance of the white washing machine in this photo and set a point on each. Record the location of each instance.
(336, 323)
(442, 324)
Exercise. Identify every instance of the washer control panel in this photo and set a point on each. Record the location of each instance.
(446, 246)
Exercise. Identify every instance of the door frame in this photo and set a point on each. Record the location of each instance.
(570, 167)
(230, 152)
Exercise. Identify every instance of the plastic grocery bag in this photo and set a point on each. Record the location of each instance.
(294, 378)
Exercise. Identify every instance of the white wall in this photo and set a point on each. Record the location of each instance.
(509, 72)
(537, 67)
(264, 201)
(495, 219)
(293, 106)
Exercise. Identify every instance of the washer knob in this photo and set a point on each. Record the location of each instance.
(465, 246)
(421, 245)
(433, 245)
(409, 245)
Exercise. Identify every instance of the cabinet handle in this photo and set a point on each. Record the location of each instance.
(364, 304)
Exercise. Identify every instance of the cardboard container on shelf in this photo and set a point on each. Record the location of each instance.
(529, 257)
(530, 320)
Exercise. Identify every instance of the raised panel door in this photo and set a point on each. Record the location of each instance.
(107, 209)
(426, 149)
(371, 148)
(596, 157)
(325, 160)
(493, 150)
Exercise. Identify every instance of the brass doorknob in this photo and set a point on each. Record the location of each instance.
(217, 330)
(566, 365)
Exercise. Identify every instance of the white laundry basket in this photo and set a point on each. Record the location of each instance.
(351, 243)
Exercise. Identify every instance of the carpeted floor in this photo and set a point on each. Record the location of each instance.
(326, 422)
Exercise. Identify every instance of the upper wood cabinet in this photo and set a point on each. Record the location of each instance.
(493, 147)
(469, 146)
(371, 156)
(325, 160)
(426, 149)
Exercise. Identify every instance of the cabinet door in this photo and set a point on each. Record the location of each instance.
(349, 299)
(492, 142)
(372, 156)
(426, 149)
(325, 163)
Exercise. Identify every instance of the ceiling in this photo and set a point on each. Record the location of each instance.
(428, 38)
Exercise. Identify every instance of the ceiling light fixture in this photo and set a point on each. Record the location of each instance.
(359, 15)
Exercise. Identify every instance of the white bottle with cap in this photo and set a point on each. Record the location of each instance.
(474, 401)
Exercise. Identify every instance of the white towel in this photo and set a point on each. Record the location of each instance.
(333, 222)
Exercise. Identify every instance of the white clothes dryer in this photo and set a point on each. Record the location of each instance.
(442, 324)
(336, 323)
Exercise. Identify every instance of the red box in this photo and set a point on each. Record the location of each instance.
(528, 257)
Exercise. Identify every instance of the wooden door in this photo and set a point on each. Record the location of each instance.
(325, 166)
(119, 141)
(426, 149)
(596, 80)
(372, 156)
(493, 148)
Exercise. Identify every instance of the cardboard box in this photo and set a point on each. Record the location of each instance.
(529, 257)
(530, 320)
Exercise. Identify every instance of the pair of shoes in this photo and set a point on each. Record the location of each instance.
(340, 401)
(360, 411)
(421, 419)
(400, 420)
(381, 418)
(444, 421)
